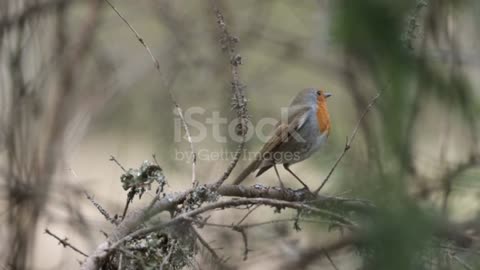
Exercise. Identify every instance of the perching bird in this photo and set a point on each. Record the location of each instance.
(307, 128)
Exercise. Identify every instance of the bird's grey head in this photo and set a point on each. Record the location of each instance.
(309, 97)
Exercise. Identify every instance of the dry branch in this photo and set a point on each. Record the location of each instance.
(100, 209)
(311, 254)
(348, 143)
(137, 35)
(166, 85)
(64, 242)
(239, 101)
(254, 195)
(230, 204)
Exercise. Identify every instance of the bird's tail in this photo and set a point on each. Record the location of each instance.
(247, 171)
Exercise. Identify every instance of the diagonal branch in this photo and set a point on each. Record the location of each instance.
(348, 143)
(167, 86)
(64, 243)
(100, 209)
(243, 232)
(309, 255)
(137, 35)
(207, 246)
(330, 259)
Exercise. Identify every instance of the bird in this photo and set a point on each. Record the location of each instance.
(303, 133)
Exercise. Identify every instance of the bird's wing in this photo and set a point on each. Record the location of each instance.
(299, 116)
(283, 131)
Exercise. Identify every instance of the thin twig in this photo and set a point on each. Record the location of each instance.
(137, 35)
(112, 158)
(269, 222)
(165, 84)
(101, 209)
(190, 141)
(154, 157)
(243, 232)
(239, 101)
(348, 143)
(308, 255)
(447, 182)
(329, 259)
(208, 247)
(252, 225)
(247, 214)
(130, 196)
(65, 243)
(460, 261)
(473, 251)
(296, 222)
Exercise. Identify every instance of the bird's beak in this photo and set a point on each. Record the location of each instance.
(327, 95)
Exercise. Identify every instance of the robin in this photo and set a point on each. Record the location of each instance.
(305, 130)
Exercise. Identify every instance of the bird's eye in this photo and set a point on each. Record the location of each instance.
(319, 93)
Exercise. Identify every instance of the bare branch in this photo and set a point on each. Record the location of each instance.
(253, 225)
(243, 232)
(137, 35)
(460, 261)
(247, 214)
(239, 101)
(255, 195)
(230, 204)
(311, 254)
(101, 209)
(348, 143)
(190, 141)
(242, 229)
(130, 196)
(112, 158)
(167, 86)
(330, 259)
(65, 243)
(208, 247)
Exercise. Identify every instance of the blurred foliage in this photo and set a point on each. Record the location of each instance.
(371, 33)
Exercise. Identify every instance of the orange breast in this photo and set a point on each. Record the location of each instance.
(323, 117)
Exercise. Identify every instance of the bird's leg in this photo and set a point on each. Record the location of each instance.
(285, 165)
(278, 176)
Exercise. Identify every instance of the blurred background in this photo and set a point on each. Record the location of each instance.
(77, 87)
